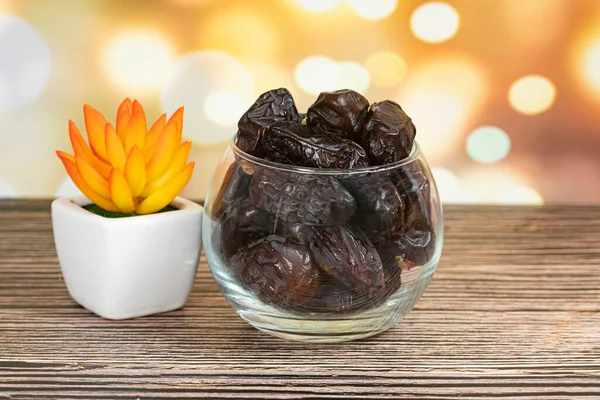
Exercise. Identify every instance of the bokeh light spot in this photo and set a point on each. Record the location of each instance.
(373, 9)
(269, 76)
(449, 188)
(353, 76)
(488, 144)
(490, 183)
(532, 94)
(445, 180)
(137, 60)
(242, 32)
(434, 22)
(521, 195)
(318, 5)
(225, 108)
(439, 110)
(436, 113)
(317, 74)
(459, 196)
(24, 63)
(591, 65)
(441, 98)
(193, 79)
(6, 191)
(387, 68)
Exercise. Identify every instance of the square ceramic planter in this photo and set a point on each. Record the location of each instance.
(123, 268)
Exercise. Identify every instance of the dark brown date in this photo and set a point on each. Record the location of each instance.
(420, 244)
(341, 113)
(393, 265)
(333, 297)
(242, 225)
(380, 208)
(293, 143)
(302, 198)
(235, 186)
(388, 134)
(279, 272)
(418, 240)
(293, 231)
(274, 105)
(348, 257)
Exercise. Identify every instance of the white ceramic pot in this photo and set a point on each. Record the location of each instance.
(123, 268)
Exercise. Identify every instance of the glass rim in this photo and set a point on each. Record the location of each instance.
(414, 155)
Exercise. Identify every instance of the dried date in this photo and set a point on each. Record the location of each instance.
(333, 297)
(274, 105)
(418, 240)
(301, 198)
(393, 265)
(388, 133)
(380, 208)
(293, 143)
(294, 231)
(235, 186)
(341, 113)
(348, 257)
(279, 272)
(243, 224)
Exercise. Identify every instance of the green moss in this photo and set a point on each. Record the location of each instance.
(109, 214)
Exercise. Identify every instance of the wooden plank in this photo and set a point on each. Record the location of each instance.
(512, 312)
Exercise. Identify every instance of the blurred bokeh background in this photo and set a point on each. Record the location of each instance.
(505, 94)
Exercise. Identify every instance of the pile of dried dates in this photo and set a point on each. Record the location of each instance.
(319, 242)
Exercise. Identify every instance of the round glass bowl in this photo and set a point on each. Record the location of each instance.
(322, 255)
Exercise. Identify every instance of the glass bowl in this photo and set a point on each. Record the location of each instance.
(322, 255)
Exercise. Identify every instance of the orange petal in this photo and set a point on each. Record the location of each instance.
(125, 106)
(165, 148)
(155, 132)
(73, 172)
(119, 192)
(135, 171)
(94, 180)
(177, 163)
(123, 124)
(178, 118)
(165, 195)
(148, 154)
(114, 149)
(81, 149)
(62, 154)
(136, 132)
(137, 108)
(94, 125)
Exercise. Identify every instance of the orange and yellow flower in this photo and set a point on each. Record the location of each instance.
(129, 168)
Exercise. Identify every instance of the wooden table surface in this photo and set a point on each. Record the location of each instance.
(513, 311)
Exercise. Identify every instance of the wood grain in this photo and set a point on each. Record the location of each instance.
(513, 311)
